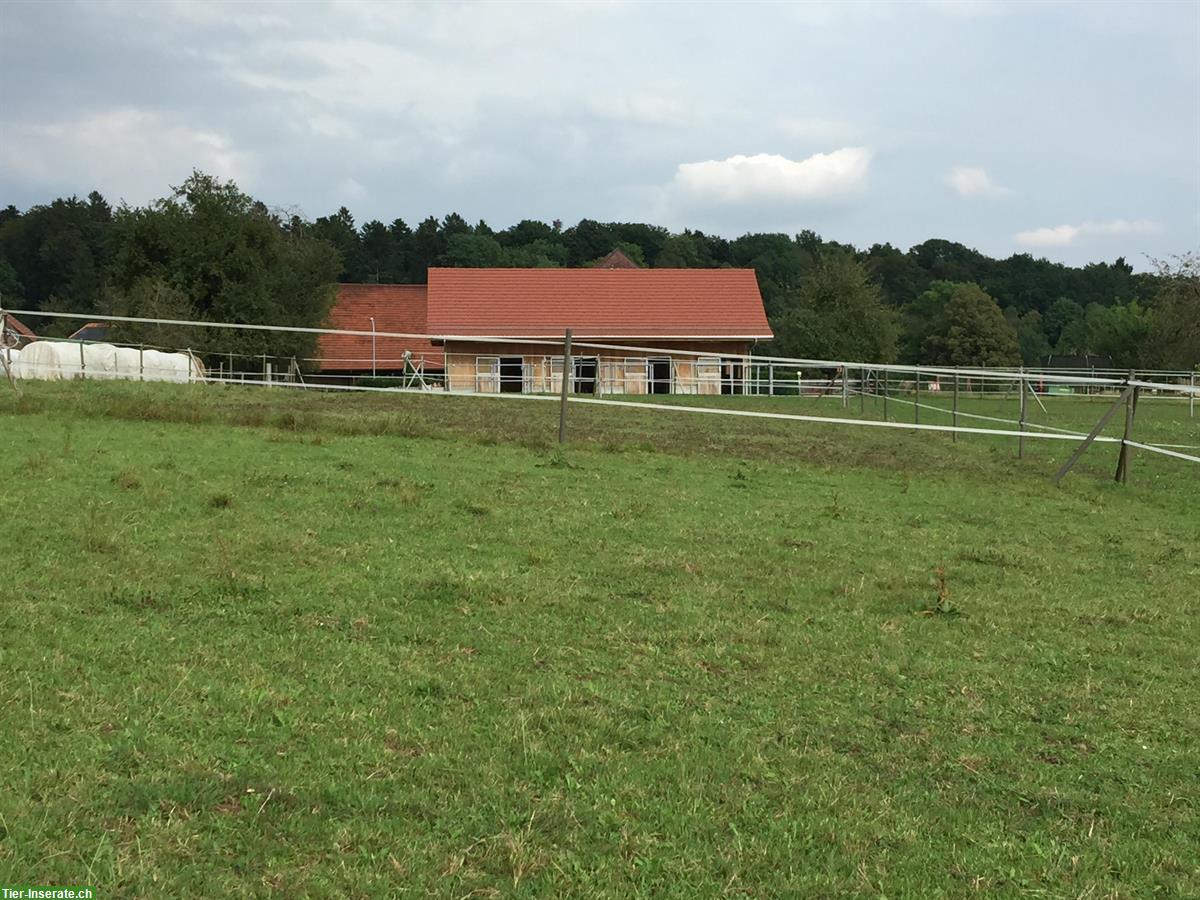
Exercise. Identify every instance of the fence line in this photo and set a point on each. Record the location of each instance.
(749, 377)
(972, 372)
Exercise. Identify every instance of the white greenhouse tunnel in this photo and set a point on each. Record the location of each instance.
(57, 361)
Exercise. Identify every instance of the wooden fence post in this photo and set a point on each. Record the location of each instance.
(566, 381)
(82, 363)
(845, 387)
(862, 390)
(886, 378)
(917, 402)
(1126, 454)
(1096, 429)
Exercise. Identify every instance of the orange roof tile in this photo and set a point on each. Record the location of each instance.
(396, 308)
(596, 303)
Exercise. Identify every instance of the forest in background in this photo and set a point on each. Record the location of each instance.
(210, 251)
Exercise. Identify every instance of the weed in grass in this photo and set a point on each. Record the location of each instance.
(987, 557)
(98, 536)
(37, 463)
(835, 509)
(136, 599)
(127, 480)
(942, 605)
(220, 500)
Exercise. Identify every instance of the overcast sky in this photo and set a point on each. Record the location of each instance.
(1068, 130)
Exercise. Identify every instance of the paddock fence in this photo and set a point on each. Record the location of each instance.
(874, 395)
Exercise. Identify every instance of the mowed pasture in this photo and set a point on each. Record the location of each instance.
(262, 641)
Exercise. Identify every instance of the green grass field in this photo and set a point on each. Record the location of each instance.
(256, 642)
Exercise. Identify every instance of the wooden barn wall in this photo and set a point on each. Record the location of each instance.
(690, 375)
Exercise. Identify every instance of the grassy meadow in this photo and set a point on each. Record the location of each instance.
(269, 643)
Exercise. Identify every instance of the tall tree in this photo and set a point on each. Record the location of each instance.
(429, 245)
(1031, 338)
(969, 329)
(1062, 317)
(473, 251)
(1175, 329)
(340, 232)
(836, 313)
(231, 260)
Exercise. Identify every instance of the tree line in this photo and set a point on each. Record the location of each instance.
(210, 251)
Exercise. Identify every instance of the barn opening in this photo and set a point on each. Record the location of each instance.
(512, 373)
(660, 375)
(585, 374)
(731, 376)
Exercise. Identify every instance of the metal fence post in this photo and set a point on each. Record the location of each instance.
(954, 413)
(845, 387)
(917, 400)
(566, 380)
(1021, 439)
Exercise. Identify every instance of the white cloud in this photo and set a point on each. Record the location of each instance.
(968, 181)
(127, 152)
(1065, 235)
(770, 177)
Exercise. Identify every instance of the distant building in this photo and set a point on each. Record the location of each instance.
(92, 332)
(699, 320)
(617, 260)
(16, 333)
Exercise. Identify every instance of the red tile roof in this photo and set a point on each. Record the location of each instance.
(596, 303)
(396, 308)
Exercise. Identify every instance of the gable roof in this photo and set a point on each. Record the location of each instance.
(92, 331)
(617, 259)
(396, 308)
(596, 303)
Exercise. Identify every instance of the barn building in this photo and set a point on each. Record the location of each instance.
(489, 329)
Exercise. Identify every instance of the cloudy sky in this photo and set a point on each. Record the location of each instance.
(1068, 130)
